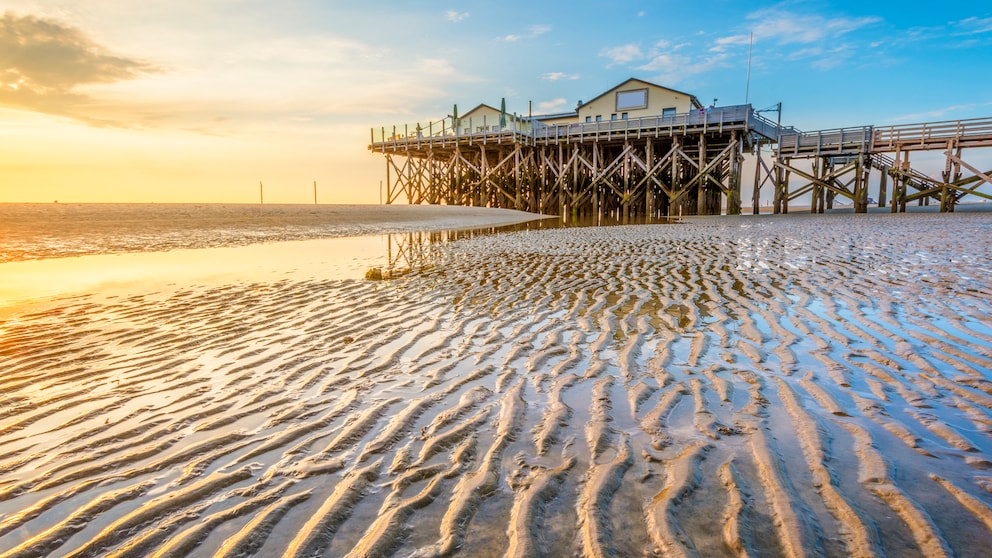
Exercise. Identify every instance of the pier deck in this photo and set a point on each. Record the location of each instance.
(660, 166)
(859, 150)
(654, 166)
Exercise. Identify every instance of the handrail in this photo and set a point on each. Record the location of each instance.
(830, 140)
(712, 118)
(933, 132)
(881, 160)
(929, 135)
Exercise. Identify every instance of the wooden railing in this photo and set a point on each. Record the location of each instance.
(932, 135)
(715, 119)
(442, 133)
(916, 178)
(975, 132)
(826, 142)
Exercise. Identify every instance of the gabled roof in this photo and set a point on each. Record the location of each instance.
(548, 116)
(692, 97)
(480, 106)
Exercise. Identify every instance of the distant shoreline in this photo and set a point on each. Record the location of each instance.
(43, 231)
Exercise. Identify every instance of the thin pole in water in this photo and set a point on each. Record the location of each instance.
(261, 198)
(315, 192)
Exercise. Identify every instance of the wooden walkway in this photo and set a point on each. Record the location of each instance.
(663, 166)
(838, 154)
(645, 167)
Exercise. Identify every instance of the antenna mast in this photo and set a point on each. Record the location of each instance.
(747, 85)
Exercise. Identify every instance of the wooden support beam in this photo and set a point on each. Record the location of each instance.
(883, 186)
(702, 207)
(812, 180)
(734, 180)
(984, 176)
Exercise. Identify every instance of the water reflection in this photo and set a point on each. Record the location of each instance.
(381, 256)
(406, 252)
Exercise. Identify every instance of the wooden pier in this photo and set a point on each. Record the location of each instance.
(645, 167)
(677, 164)
(841, 161)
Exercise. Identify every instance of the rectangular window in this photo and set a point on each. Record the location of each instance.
(588, 119)
(623, 116)
(668, 111)
(599, 118)
(632, 99)
(613, 116)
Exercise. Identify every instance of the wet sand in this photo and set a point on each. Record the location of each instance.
(45, 230)
(763, 386)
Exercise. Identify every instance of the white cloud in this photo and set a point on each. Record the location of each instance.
(788, 28)
(435, 66)
(539, 29)
(723, 43)
(554, 105)
(973, 26)
(938, 113)
(532, 32)
(555, 76)
(804, 53)
(672, 69)
(665, 63)
(623, 54)
(454, 16)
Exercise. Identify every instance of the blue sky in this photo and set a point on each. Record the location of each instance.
(198, 101)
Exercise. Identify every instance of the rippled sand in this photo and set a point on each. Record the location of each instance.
(771, 386)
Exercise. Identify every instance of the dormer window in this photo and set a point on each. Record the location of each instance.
(632, 99)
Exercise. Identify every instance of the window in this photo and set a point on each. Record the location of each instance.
(670, 111)
(623, 116)
(599, 118)
(588, 119)
(632, 99)
(613, 116)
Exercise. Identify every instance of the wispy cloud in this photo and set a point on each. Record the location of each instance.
(725, 43)
(674, 68)
(455, 17)
(44, 62)
(531, 32)
(940, 113)
(819, 41)
(788, 28)
(973, 26)
(559, 104)
(623, 54)
(556, 76)
(665, 63)
(435, 66)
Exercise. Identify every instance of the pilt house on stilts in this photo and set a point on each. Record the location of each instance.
(641, 150)
(636, 150)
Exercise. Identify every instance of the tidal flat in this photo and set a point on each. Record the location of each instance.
(725, 386)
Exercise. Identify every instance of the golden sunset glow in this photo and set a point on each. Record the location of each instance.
(200, 101)
(280, 279)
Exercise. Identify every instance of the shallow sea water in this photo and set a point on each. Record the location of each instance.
(801, 385)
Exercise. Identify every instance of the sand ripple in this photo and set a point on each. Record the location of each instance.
(727, 387)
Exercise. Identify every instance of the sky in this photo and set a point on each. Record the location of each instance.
(200, 102)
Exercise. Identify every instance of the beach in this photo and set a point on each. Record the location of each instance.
(723, 386)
